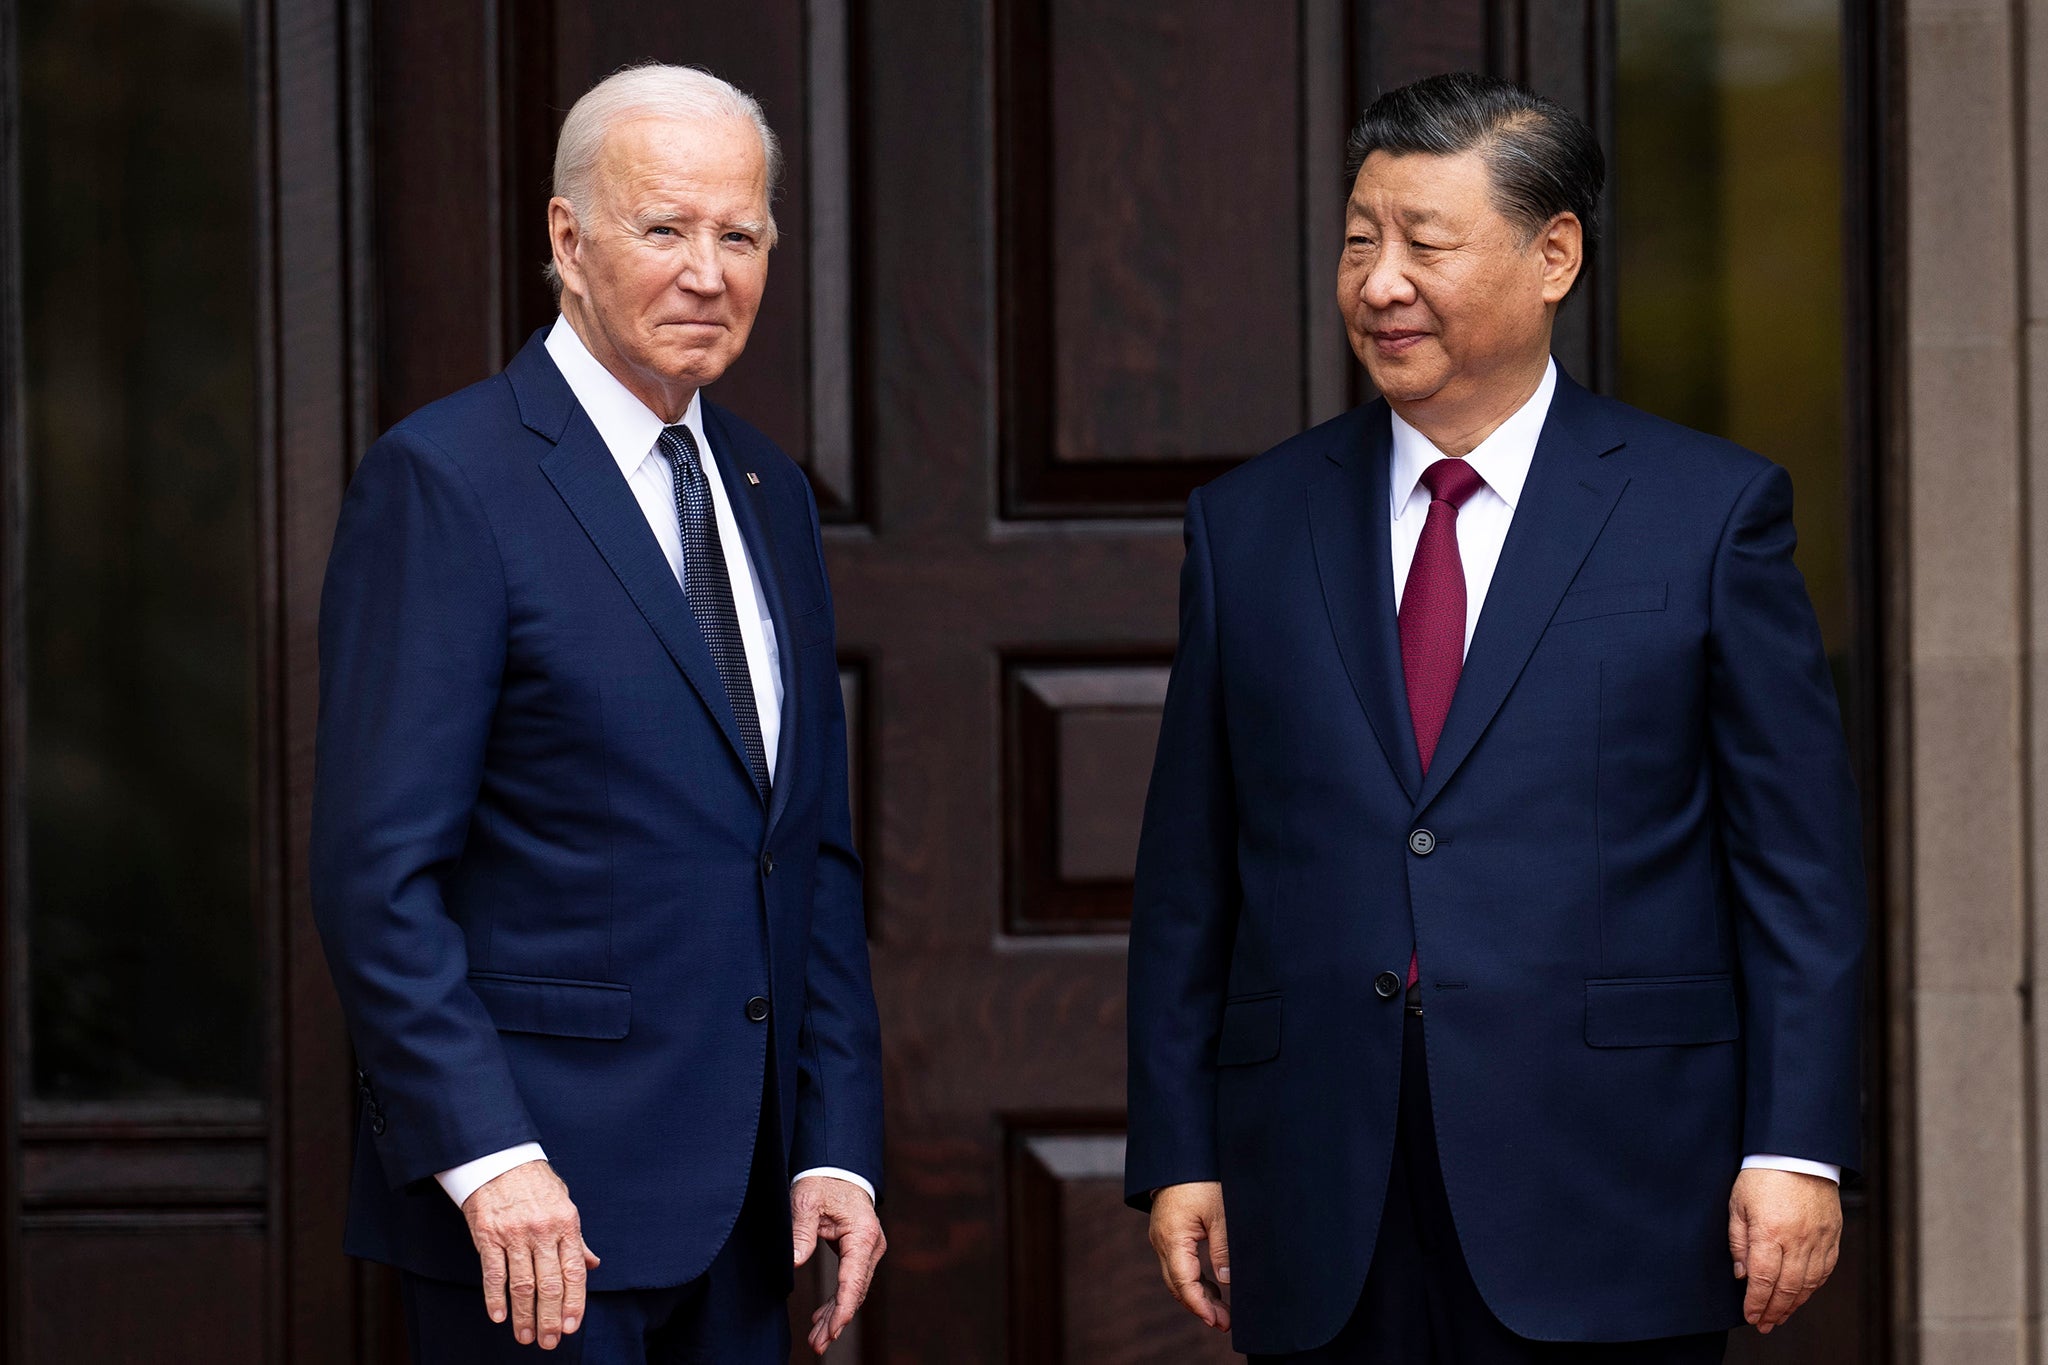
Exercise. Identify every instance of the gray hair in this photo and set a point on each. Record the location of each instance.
(650, 90)
(1542, 157)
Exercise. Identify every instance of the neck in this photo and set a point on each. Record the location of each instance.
(1457, 424)
(665, 399)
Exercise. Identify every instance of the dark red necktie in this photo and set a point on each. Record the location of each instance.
(1433, 611)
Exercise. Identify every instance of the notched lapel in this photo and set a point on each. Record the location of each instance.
(1566, 502)
(1350, 528)
(587, 477)
(748, 497)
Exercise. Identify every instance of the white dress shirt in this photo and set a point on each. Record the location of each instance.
(631, 432)
(1503, 460)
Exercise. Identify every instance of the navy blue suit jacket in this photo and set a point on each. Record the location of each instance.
(546, 884)
(1640, 916)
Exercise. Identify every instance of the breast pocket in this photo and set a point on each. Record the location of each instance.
(809, 628)
(1610, 600)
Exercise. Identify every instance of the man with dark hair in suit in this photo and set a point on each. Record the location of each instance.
(1497, 947)
(582, 856)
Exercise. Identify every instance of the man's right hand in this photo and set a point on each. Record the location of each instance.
(530, 1239)
(1184, 1217)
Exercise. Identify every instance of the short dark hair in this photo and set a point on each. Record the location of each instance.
(1543, 158)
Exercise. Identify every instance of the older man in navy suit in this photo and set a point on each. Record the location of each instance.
(581, 848)
(1495, 968)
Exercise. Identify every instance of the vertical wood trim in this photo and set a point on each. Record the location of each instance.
(1875, 425)
(830, 194)
(13, 824)
(313, 292)
(1326, 88)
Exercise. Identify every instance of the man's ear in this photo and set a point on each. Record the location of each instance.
(565, 237)
(1563, 243)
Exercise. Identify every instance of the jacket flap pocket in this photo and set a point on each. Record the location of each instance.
(1611, 600)
(545, 1004)
(1661, 1011)
(1251, 1031)
(811, 627)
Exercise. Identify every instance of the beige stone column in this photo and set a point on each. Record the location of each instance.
(1965, 693)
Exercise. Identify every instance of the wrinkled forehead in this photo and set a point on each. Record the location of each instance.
(1416, 189)
(656, 152)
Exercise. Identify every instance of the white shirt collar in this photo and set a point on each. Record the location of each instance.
(1502, 459)
(629, 429)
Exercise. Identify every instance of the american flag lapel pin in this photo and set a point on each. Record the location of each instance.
(753, 478)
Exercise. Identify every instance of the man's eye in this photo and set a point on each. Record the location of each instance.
(1424, 246)
(1358, 241)
(661, 231)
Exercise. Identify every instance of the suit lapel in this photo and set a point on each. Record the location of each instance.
(1565, 504)
(1350, 526)
(587, 477)
(750, 513)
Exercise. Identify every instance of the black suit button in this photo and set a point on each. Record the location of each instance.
(767, 864)
(757, 1008)
(377, 1124)
(1422, 843)
(1386, 985)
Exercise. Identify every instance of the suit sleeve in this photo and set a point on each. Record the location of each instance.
(1185, 913)
(839, 1045)
(1790, 822)
(412, 648)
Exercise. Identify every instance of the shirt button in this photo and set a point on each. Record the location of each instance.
(1422, 843)
(757, 1008)
(1386, 985)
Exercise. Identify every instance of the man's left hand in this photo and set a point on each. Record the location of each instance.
(824, 1208)
(1785, 1234)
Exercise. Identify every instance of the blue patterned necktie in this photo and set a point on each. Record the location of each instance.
(710, 591)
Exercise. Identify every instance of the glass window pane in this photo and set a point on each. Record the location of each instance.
(140, 575)
(1728, 184)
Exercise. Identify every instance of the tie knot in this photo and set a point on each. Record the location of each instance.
(679, 445)
(1452, 480)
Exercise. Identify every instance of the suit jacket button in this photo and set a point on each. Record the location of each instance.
(1422, 843)
(757, 1008)
(1386, 985)
(377, 1124)
(767, 864)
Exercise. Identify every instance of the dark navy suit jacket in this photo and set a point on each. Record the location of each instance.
(1639, 912)
(547, 887)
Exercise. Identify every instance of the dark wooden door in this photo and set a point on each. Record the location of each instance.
(1046, 265)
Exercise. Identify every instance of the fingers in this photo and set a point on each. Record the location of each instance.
(1180, 1263)
(548, 1289)
(820, 1337)
(1738, 1240)
(523, 1279)
(575, 1282)
(859, 1251)
(493, 1259)
(1790, 1291)
(1219, 1249)
(1766, 1261)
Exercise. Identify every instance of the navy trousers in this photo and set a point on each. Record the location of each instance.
(1419, 1305)
(735, 1313)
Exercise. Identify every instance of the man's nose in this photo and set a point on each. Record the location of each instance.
(1387, 283)
(703, 268)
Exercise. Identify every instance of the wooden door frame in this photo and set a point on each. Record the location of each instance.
(313, 93)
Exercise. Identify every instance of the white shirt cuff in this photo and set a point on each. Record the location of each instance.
(1793, 1163)
(837, 1174)
(471, 1176)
